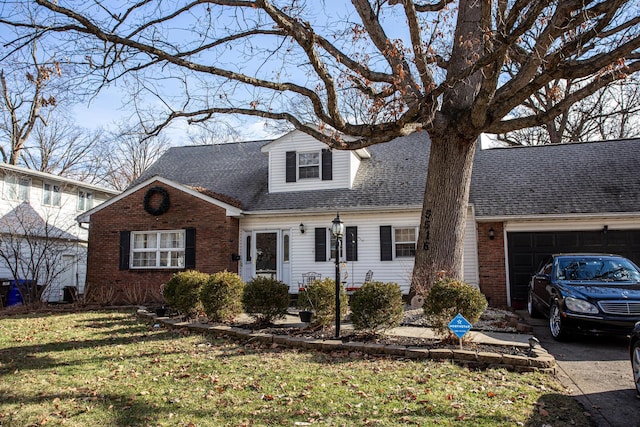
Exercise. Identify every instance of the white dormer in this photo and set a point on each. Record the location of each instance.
(299, 162)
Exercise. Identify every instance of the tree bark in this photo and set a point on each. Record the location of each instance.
(444, 212)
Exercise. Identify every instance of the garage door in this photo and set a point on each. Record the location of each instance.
(528, 250)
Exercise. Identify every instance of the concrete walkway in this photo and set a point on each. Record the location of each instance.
(480, 337)
(537, 359)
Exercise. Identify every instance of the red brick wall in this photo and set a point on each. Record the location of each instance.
(493, 272)
(216, 241)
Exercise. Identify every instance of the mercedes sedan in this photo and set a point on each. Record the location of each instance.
(596, 293)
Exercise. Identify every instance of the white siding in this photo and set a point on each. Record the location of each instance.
(62, 217)
(302, 258)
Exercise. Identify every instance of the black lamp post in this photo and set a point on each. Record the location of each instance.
(337, 229)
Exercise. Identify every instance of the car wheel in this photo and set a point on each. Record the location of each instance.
(556, 324)
(635, 364)
(531, 307)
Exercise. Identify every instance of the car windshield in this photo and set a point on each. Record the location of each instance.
(608, 269)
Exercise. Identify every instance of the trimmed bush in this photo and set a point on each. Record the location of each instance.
(320, 297)
(182, 292)
(221, 296)
(266, 299)
(377, 306)
(447, 298)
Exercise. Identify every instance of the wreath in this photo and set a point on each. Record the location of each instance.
(164, 202)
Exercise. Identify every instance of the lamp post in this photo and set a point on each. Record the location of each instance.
(337, 229)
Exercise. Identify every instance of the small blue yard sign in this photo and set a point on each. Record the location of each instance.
(459, 325)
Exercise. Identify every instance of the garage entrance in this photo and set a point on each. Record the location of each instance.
(528, 250)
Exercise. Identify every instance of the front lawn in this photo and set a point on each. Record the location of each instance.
(112, 369)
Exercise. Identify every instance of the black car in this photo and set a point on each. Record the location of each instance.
(586, 293)
(634, 350)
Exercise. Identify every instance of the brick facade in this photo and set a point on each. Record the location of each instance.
(216, 240)
(491, 263)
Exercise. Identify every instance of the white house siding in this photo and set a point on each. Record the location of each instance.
(62, 217)
(302, 253)
(353, 168)
(302, 143)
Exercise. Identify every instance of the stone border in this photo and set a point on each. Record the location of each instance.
(540, 360)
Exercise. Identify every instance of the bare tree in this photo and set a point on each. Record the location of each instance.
(125, 153)
(60, 147)
(26, 99)
(32, 248)
(611, 113)
(372, 69)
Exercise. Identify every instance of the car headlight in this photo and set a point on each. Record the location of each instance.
(580, 306)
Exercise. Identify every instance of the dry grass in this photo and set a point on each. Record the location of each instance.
(110, 369)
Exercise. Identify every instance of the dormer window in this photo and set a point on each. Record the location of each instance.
(305, 165)
(308, 165)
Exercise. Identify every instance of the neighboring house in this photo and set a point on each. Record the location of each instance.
(40, 240)
(265, 208)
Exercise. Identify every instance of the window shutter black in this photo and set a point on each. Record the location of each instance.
(351, 241)
(125, 249)
(327, 165)
(190, 248)
(386, 245)
(321, 244)
(291, 166)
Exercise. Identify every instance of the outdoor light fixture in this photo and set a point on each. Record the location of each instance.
(337, 229)
(492, 234)
(301, 228)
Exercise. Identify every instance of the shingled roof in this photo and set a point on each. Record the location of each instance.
(394, 176)
(580, 178)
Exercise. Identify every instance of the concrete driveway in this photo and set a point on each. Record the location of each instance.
(597, 371)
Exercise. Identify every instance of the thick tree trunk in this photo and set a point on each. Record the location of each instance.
(444, 211)
(453, 133)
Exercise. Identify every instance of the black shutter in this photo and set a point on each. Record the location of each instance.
(386, 245)
(327, 165)
(190, 248)
(291, 166)
(321, 244)
(125, 249)
(351, 240)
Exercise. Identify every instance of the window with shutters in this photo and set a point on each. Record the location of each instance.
(158, 249)
(405, 242)
(308, 165)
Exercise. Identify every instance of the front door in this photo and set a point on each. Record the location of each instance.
(266, 254)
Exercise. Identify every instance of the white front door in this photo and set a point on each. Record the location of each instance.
(267, 254)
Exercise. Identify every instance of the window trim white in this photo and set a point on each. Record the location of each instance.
(52, 192)
(158, 250)
(85, 196)
(394, 242)
(298, 166)
(17, 180)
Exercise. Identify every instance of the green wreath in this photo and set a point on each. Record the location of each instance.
(164, 202)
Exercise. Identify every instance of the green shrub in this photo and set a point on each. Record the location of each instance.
(377, 306)
(266, 299)
(320, 297)
(221, 296)
(447, 298)
(182, 292)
